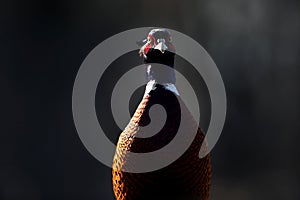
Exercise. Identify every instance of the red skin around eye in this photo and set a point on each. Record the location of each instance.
(150, 45)
(147, 48)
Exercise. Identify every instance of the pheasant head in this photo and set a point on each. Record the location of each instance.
(158, 48)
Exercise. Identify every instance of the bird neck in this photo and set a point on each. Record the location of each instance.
(159, 73)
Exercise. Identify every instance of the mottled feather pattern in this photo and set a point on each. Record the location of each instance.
(187, 178)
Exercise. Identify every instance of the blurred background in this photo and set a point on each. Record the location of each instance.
(255, 44)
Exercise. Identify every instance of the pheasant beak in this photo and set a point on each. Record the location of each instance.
(161, 45)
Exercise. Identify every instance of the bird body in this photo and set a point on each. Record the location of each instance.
(188, 177)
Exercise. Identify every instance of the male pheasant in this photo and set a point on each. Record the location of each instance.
(188, 177)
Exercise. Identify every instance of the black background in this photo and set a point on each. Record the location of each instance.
(255, 45)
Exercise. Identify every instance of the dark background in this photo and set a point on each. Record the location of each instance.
(255, 45)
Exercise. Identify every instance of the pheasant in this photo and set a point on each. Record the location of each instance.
(188, 177)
